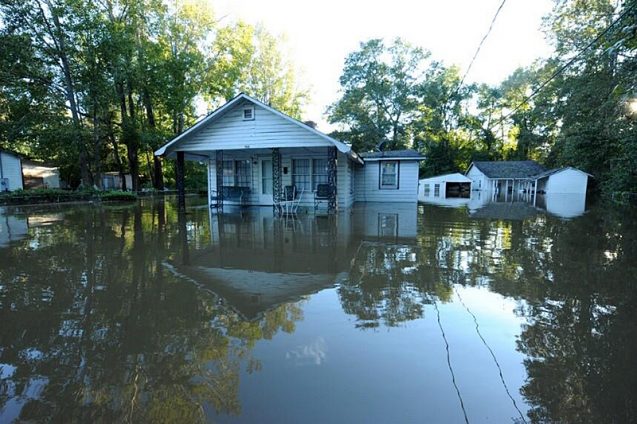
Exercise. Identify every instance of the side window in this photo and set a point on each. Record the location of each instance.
(436, 190)
(388, 175)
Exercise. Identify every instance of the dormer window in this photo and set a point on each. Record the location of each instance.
(248, 113)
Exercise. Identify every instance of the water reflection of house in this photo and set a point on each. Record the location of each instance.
(257, 261)
(12, 227)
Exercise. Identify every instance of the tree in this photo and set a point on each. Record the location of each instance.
(380, 94)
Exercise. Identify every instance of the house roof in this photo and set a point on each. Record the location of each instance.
(557, 170)
(407, 154)
(173, 144)
(509, 169)
(453, 177)
(9, 152)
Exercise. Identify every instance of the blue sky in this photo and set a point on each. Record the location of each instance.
(320, 34)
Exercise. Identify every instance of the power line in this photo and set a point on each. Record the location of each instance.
(566, 65)
(475, 55)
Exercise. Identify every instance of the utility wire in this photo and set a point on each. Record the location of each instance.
(566, 65)
(475, 55)
(497, 364)
(453, 375)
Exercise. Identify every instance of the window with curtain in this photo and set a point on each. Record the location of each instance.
(242, 173)
(389, 174)
(319, 172)
(301, 174)
(228, 173)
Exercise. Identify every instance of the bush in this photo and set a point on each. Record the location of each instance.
(120, 196)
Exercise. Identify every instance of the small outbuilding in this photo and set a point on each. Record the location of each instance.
(445, 186)
(562, 180)
(10, 171)
(40, 175)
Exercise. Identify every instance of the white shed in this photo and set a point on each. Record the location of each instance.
(40, 175)
(562, 180)
(444, 186)
(10, 171)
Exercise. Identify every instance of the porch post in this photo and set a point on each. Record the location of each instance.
(331, 179)
(181, 188)
(276, 176)
(219, 176)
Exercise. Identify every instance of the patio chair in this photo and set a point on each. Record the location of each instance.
(323, 193)
(291, 199)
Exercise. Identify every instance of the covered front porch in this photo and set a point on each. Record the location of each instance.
(309, 177)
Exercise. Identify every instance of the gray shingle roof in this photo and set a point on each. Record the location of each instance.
(509, 169)
(399, 154)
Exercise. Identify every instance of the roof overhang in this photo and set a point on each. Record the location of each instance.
(172, 146)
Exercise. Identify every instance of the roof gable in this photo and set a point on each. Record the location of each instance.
(224, 129)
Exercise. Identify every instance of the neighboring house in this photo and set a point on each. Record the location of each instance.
(507, 177)
(10, 171)
(113, 181)
(253, 152)
(40, 175)
(389, 176)
(503, 176)
(444, 187)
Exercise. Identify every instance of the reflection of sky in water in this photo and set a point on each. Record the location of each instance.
(313, 353)
(390, 313)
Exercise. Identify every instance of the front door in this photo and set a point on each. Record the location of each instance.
(265, 183)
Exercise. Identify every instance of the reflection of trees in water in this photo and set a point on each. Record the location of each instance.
(575, 281)
(88, 308)
(387, 285)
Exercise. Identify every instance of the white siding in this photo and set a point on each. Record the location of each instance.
(479, 181)
(11, 169)
(367, 183)
(567, 181)
(267, 130)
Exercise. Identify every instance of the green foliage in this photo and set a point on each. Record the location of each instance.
(98, 86)
(117, 195)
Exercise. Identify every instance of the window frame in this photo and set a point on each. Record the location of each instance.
(243, 113)
(396, 185)
(295, 174)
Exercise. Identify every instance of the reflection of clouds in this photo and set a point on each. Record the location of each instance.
(313, 353)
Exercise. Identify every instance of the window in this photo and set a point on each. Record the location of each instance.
(301, 174)
(388, 174)
(436, 190)
(237, 173)
(427, 190)
(228, 173)
(248, 113)
(242, 173)
(319, 172)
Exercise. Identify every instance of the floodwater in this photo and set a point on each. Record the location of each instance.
(385, 314)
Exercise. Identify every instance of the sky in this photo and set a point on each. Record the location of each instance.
(320, 34)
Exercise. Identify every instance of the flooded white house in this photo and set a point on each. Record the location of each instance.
(10, 171)
(257, 155)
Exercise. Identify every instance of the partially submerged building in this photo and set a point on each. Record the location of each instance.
(10, 171)
(507, 177)
(448, 186)
(257, 155)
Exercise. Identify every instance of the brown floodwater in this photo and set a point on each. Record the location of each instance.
(385, 313)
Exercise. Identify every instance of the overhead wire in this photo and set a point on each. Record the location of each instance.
(475, 55)
(566, 65)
